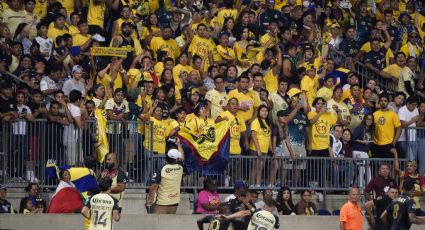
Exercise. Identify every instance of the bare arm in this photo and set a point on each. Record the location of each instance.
(397, 134)
(256, 143)
(415, 219)
(85, 212)
(152, 191)
(119, 188)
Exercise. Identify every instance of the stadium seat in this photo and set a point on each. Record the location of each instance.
(335, 212)
(323, 212)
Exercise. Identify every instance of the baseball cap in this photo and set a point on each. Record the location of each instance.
(293, 92)
(98, 38)
(240, 184)
(194, 90)
(76, 68)
(119, 90)
(174, 154)
(283, 113)
(308, 47)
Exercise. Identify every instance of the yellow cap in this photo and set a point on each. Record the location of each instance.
(293, 92)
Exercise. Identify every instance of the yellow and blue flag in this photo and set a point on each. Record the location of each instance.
(207, 153)
(83, 178)
(101, 146)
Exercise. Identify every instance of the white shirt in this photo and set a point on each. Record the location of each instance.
(46, 45)
(20, 127)
(336, 146)
(71, 132)
(47, 83)
(71, 84)
(405, 115)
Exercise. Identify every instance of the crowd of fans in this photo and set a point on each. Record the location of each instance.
(264, 66)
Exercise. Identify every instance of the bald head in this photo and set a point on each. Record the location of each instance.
(111, 161)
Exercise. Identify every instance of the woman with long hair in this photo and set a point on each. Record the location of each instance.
(151, 28)
(192, 101)
(285, 206)
(280, 147)
(362, 137)
(305, 206)
(260, 143)
(22, 36)
(160, 97)
(240, 47)
(229, 27)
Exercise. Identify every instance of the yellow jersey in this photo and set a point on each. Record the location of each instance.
(79, 39)
(55, 32)
(385, 123)
(309, 87)
(73, 30)
(96, 14)
(41, 8)
(249, 99)
(271, 82)
(263, 136)
(321, 130)
(225, 13)
(236, 126)
(68, 5)
(160, 134)
(177, 70)
(170, 46)
(198, 125)
(224, 54)
(218, 100)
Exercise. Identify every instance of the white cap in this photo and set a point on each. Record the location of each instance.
(76, 68)
(98, 38)
(174, 154)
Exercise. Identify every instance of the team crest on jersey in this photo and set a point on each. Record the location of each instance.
(381, 120)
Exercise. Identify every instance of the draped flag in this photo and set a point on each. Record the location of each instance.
(208, 153)
(101, 146)
(81, 177)
(65, 200)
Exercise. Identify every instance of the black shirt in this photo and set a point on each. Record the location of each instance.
(349, 47)
(7, 105)
(5, 207)
(398, 212)
(377, 59)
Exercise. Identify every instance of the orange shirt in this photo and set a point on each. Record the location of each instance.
(351, 214)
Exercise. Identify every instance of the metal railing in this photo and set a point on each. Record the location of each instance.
(26, 147)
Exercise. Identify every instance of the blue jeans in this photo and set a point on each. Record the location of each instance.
(344, 170)
(410, 148)
(421, 155)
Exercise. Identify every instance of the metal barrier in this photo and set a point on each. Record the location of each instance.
(28, 145)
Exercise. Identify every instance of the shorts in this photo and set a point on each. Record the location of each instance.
(254, 153)
(299, 151)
